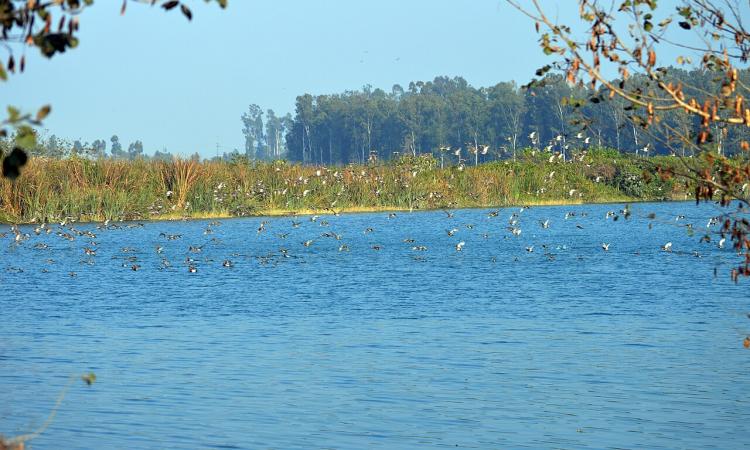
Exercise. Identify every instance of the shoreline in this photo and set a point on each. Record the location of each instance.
(94, 190)
(277, 212)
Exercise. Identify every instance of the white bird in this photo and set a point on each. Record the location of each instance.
(544, 224)
(667, 247)
(721, 242)
(587, 140)
(530, 249)
(532, 135)
(579, 135)
(605, 246)
(460, 246)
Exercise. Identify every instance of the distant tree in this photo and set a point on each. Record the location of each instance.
(506, 110)
(252, 122)
(275, 131)
(78, 148)
(135, 150)
(116, 148)
(52, 147)
(163, 155)
(99, 148)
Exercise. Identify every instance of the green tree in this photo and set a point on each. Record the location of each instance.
(252, 122)
(116, 148)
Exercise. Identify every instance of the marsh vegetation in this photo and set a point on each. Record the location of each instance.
(85, 189)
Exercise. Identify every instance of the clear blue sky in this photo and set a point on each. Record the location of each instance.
(182, 85)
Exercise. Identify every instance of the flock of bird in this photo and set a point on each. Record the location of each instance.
(291, 243)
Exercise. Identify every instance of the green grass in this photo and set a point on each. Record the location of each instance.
(51, 189)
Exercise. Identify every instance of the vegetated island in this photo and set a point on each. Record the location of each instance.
(81, 189)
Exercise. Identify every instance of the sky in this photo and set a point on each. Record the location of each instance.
(182, 86)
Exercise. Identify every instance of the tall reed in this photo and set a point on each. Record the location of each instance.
(52, 189)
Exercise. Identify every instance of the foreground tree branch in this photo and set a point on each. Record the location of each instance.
(626, 37)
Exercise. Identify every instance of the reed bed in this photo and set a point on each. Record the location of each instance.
(83, 189)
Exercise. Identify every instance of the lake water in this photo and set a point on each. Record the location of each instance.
(567, 346)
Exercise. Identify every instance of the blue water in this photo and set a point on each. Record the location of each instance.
(490, 347)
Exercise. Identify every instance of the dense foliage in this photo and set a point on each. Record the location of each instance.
(448, 114)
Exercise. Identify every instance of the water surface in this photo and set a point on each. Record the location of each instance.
(564, 346)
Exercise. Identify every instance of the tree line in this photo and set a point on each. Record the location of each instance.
(455, 121)
(450, 119)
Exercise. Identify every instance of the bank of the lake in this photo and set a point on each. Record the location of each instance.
(95, 190)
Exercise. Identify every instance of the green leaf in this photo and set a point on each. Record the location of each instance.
(25, 137)
(13, 114)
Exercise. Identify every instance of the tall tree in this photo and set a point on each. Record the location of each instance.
(116, 148)
(252, 122)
